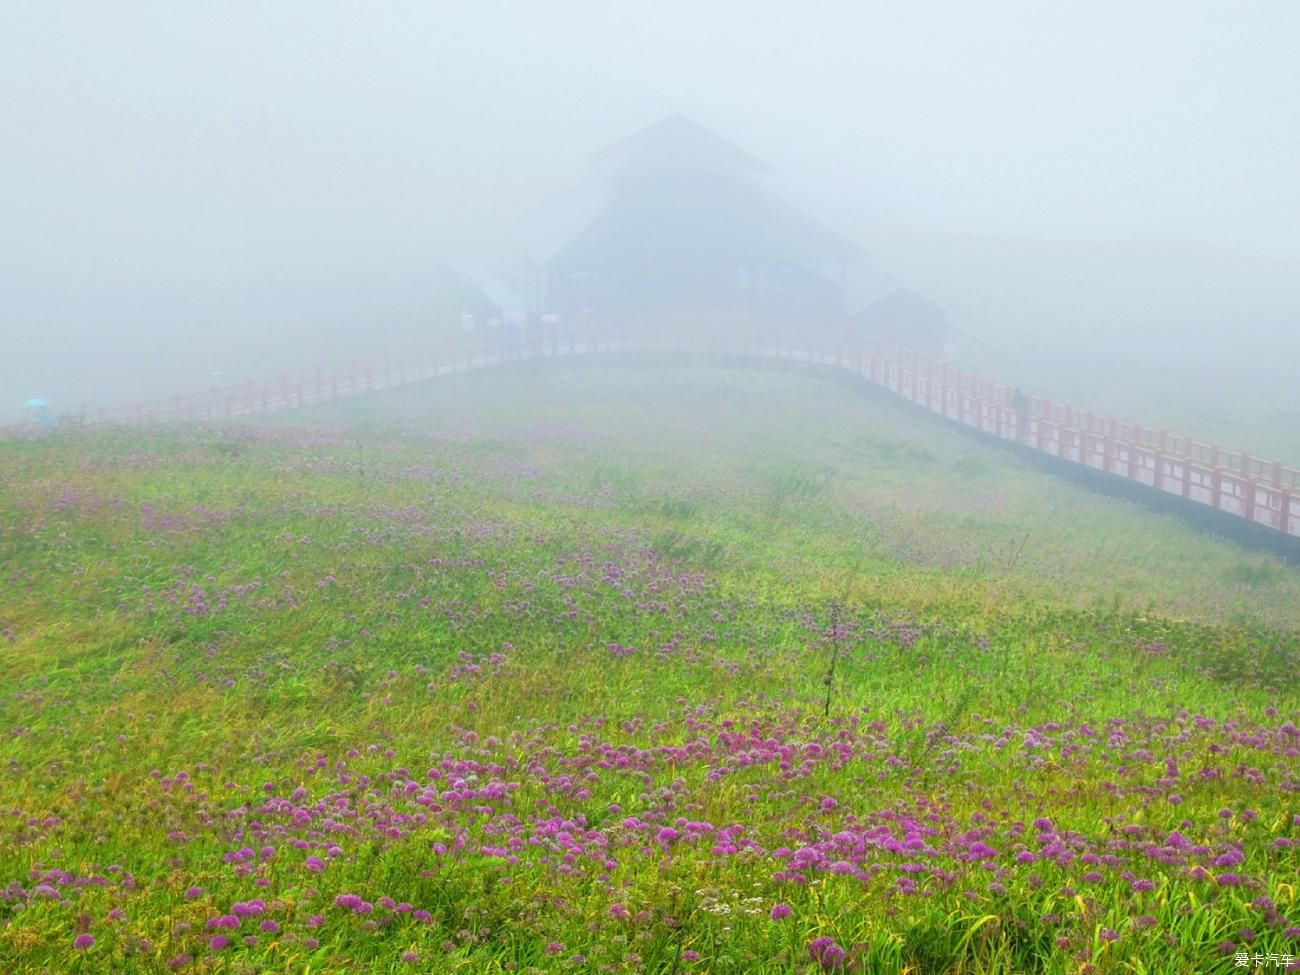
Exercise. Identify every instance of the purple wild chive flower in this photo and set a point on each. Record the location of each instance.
(828, 955)
(780, 911)
(83, 942)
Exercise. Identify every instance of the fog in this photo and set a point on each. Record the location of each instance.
(239, 188)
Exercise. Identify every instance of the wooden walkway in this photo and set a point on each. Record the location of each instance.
(1264, 492)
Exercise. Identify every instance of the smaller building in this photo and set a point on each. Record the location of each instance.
(36, 413)
(903, 316)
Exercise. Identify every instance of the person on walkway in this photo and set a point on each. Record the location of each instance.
(551, 331)
(1021, 406)
(511, 328)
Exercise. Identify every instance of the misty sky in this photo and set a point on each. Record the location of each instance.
(177, 171)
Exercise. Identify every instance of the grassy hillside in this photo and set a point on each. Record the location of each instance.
(651, 667)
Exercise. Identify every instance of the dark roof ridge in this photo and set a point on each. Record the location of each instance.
(676, 137)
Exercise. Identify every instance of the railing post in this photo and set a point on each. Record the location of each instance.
(1248, 503)
(1216, 486)
(1187, 476)
(1158, 477)
(1284, 511)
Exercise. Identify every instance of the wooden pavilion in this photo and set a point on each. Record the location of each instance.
(686, 227)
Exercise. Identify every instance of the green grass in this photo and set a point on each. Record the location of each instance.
(546, 614)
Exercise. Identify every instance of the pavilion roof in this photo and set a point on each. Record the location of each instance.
(718, 220)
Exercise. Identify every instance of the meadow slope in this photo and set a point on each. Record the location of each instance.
(635, 667)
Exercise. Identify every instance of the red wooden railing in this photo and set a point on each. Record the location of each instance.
(1264, 492)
